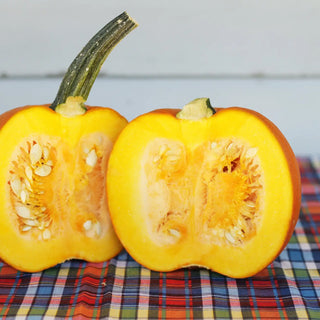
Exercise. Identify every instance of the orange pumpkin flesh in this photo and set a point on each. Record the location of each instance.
(53, 204)
(221, 192)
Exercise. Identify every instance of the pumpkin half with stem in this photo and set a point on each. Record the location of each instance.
(198, 186)
(53, 163)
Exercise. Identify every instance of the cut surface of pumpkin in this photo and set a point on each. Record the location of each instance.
(220, 191)
(53, 202)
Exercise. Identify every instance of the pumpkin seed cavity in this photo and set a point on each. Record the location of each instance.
(91, 167)
(213, 192)
(32, 174)
(33, 165)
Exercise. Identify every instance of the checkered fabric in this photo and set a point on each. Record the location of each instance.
(121, 289)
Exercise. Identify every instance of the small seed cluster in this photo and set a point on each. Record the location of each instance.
(92, 228)
(92, 154)
(26, 183)
(164, 174)
(170, 224)
(168, 154)
(234, 158)
(170, 160)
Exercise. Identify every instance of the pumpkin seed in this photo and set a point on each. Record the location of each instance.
(229, 237)
(87, 225)
(46, 234)
(91, 158)
(28, 172)
(31, 222)
(175, 233)
(16, 186)
(26, 228)
(23, 196)
(23, 212)
(43, 170)
(35, 153)
(28, 185)
(46, 153)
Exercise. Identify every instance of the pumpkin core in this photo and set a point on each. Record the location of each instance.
(38, 191)
(218, 182)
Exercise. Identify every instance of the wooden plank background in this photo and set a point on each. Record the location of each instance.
(261, 55)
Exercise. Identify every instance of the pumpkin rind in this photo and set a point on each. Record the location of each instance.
(127, 180)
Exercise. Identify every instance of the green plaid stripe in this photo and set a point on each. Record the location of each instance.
(122, 289)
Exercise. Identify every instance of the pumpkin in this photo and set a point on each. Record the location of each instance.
(53, 163)
(203, 187)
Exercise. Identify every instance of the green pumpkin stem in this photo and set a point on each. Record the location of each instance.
(84, 69)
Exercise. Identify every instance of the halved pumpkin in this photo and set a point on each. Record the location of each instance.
(53, 164)
(199, 187)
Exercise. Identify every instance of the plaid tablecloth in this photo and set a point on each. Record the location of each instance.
(121, 289)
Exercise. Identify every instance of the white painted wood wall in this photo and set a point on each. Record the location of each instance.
(261, 55)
